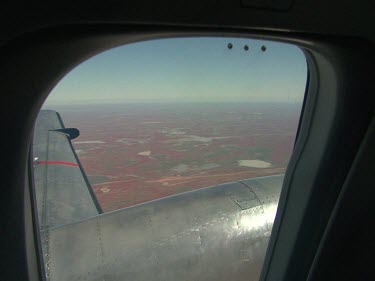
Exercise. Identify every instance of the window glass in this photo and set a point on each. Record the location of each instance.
(160, 118)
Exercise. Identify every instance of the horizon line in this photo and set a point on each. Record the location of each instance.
(168, 102)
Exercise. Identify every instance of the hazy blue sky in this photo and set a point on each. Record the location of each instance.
(187, 70)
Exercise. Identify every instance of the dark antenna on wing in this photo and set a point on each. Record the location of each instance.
(72, 133)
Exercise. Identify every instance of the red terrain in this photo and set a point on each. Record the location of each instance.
(136, 153)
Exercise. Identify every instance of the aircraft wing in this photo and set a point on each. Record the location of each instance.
(63, 192)
(214, 233)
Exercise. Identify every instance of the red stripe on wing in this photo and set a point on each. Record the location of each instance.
(58, 163)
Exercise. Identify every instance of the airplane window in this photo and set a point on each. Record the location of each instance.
(164, 159)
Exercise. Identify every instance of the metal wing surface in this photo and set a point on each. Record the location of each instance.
(214, 233)
(62, 190)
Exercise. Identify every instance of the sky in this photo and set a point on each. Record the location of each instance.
(200, 69)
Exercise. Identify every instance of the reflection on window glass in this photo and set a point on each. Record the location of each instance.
(161, 118)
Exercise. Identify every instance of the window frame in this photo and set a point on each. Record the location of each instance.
(333, 60)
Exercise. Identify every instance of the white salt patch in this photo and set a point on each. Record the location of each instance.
(93, 141)
(254, 163)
